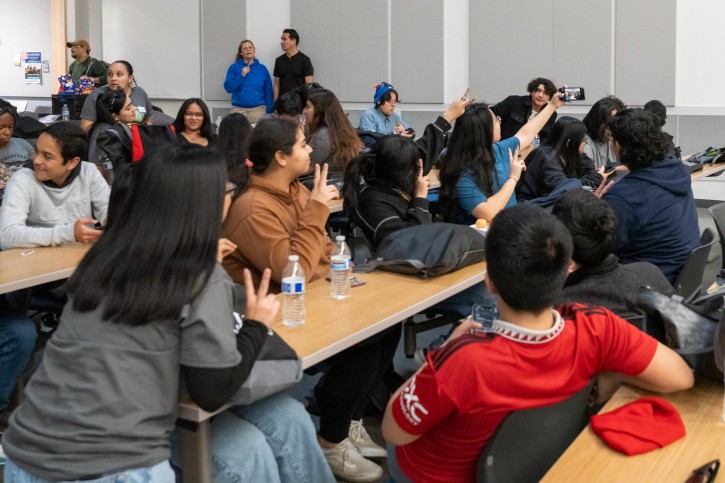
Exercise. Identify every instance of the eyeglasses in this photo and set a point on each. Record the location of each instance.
(193, 114)
(705, 473)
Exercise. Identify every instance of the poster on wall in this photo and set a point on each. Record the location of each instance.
(32, 67)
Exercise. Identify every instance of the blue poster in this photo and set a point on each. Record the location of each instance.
(33, 58)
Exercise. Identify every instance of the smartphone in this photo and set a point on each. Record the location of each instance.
(484, 315)
(609, 168)
(572, 93)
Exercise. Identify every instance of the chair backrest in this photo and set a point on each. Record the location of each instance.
(528, 442)
(689, 281)
(718, 214)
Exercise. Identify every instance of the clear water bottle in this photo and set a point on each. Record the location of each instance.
(341, 268)
(65, 112)
(293, 292)
(536, 142)
(217, 124)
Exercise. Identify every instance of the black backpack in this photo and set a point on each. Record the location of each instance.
(428, 250)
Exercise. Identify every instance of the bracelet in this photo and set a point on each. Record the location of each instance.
(515, 180)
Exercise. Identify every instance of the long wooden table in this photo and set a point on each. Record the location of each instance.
(27, 267)
(332, 326)
(589, 459)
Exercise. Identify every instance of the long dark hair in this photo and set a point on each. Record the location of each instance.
(599, 115)
(232, 140)
(470, 147)
(268, 136)
(393, 163)
(344, 141)
(563, 145)
(166, 219)
(108, 104)
(205, 125)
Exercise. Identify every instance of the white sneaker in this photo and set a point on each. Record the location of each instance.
(348, 464)
(360, 438)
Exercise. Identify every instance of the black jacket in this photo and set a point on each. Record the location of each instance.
(514, 112)
(544, 173)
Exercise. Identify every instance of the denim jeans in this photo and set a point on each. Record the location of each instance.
(17, 340)
(160, 473)
(272, 440)
(396, 474)
(463, 301)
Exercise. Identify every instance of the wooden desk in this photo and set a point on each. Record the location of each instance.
(43, 265)
(708, 169)
(336, 205)
(332, 326)
(589, 459)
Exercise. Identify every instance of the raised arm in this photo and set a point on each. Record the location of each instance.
(528, 131)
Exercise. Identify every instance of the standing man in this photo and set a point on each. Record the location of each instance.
(293, 68)
(84, 64)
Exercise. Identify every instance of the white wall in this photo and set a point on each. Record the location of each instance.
(25, 27)
(265, 21)
(700, 47)
(160, 39)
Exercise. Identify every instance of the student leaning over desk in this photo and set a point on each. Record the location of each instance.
(440, 420)
(59, 198)
(103, 402)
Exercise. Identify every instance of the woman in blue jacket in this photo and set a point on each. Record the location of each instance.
(250, 85)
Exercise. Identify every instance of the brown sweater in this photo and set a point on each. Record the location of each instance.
(269, 225)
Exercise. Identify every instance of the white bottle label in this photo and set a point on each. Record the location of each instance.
(293, 285)
(340, 263)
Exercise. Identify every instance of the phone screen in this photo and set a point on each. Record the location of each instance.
(573, 93)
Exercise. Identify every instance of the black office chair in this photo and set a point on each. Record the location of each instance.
(718, 214)
(528, 442)
(433, 319)
(689, 281)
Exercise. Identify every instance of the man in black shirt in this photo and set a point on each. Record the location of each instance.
(293, 68)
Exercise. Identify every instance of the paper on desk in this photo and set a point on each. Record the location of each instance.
(49, 118)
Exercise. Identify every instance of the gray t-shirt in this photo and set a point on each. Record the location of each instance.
(138, 99)
(12, 157)
(104, 398)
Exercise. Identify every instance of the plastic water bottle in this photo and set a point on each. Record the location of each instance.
(65, 113)
(217, 124)
(536, 142)
(341, 266)
(293, 291)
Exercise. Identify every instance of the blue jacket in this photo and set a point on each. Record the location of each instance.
(252, 90)
(656, 216)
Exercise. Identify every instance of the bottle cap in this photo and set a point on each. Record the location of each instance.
(294, 258)
(340, 238)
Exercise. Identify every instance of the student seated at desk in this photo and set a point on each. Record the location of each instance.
(480, 170)
(557, 161)
(59, 199)
(14, 152)
(276, 216)
(597, 277)
(107, 389)
(441, 419)
(654, 204)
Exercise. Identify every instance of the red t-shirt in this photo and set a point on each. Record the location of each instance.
(468, 387)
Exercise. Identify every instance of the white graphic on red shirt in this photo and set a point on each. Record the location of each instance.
(410, 403)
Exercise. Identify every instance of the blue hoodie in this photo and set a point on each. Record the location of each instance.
(656, 216)
(252, 90)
